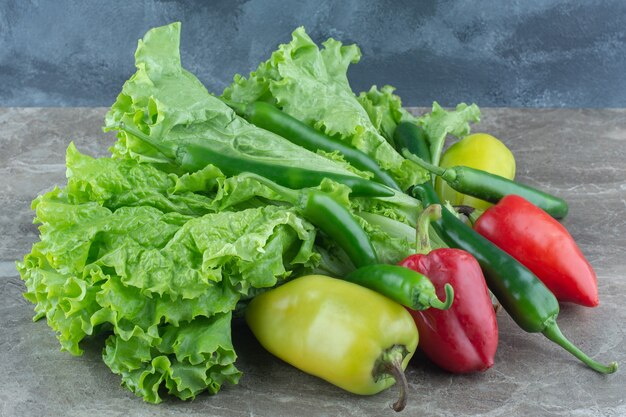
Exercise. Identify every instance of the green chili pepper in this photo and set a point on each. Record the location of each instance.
(404, 285)
(527, 300)
(270, 118)
(490, 187)
(194, 156)
(332, 217)
(412, 137)
(336, 221)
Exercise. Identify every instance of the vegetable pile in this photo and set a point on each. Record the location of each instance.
(288, 178)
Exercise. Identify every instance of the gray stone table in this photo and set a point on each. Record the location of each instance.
(578, 154)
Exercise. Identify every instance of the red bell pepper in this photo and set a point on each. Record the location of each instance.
(542, 245)
(463, 338)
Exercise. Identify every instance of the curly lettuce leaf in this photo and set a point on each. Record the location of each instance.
(181, 360)
(157, 274)
(311, 85)
(385, 111)
(116, 183)
(162, 94)
(440, 122)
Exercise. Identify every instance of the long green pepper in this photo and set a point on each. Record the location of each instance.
(527, 300)
(336, 221)
(332, 217)
(192, 157)
(491, 187)
(270, 118)
(412, 142)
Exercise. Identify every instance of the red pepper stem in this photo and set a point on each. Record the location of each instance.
(422, 238)
(422, 245)
(553, 333)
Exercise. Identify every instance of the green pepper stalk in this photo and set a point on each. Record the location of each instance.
(270, 118)
(490, 187)
(192, 157)
(527, 300)
(404, 285)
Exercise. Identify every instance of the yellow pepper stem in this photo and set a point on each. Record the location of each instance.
(390, 363)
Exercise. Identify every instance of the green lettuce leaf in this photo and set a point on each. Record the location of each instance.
(302, 78)
(385, 111)
(126, 183)
(440, 122)
(156, 273)
(182, 360)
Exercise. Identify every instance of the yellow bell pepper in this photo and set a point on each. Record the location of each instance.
(479, 151)
(346, 334)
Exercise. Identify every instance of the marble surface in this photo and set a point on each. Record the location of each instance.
(577, 154)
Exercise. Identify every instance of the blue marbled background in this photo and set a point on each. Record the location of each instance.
(533, 53)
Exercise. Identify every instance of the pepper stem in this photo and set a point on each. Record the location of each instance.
(553, 333)
(466, 210)
(167, 151)
(422, 238)
(291, 196)
(239, 108)
(422, 245)
(390, 363)
(471, 213)
(447, 303)
(446, 174)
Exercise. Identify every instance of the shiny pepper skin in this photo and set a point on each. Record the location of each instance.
(335, 330)
(543, 245)
(465, 337)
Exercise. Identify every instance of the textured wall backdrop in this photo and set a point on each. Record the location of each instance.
(535, 53)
